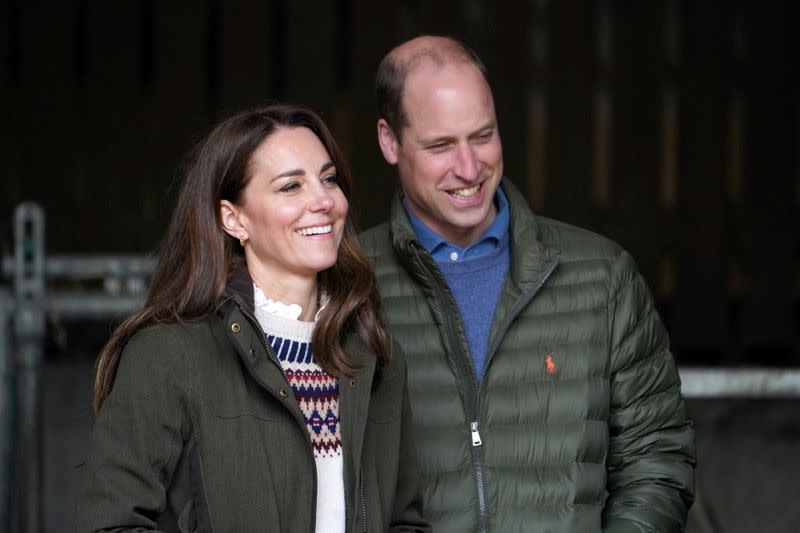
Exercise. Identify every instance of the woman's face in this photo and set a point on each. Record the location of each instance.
(293, 211)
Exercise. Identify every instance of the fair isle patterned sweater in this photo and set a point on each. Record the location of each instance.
(317, 393)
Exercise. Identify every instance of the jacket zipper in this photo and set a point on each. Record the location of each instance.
(473, 411)
(470, 397)
(263, 337)
(361, 496)
(501, 331)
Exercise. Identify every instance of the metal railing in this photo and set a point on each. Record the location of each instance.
(698, 382)
(121, 290)
(23, 315)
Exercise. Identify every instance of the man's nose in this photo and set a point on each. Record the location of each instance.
(466, 165)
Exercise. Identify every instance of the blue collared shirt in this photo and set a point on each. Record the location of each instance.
(441, 250)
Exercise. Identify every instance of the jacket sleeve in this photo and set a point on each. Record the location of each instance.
(407, 513)
(136, 440)
(651, 453)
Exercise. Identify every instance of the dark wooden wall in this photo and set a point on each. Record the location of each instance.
(670, 126)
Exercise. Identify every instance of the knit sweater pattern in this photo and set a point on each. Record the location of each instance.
(317, 394)
(316, 391)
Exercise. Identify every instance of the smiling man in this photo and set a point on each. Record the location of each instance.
(545, 396)
(448, 155)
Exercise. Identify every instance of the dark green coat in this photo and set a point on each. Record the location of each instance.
(580, 418)
(201, 432)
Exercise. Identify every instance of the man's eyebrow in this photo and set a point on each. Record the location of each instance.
(491, 125)
(435, 139)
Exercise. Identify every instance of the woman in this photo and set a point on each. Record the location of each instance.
(257, 390)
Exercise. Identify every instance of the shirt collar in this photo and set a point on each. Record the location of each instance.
(440, 248)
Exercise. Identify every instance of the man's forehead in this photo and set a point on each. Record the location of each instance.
(427, 81)
(448, 108)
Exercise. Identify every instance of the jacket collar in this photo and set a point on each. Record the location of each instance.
(529, 253)
(520, 215)
(240, 289)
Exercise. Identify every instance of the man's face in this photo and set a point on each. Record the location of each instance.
(450, 160)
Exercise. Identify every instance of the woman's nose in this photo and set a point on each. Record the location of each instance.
(322, 199)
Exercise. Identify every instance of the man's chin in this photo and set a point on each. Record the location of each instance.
(468, 228)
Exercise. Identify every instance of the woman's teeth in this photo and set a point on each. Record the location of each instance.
(316, 230)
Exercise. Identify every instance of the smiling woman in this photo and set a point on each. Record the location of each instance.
(292, 215)
(255, 389)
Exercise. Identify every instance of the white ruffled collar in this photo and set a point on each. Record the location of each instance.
(290, 311)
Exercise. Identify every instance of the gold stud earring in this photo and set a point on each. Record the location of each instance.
(243, 241)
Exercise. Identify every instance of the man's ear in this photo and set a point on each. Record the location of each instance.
(388, 142)
(231, 222)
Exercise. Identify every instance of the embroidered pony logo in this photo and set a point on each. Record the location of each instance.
(551, 366)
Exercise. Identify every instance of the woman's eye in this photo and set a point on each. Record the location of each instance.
(289, 187)
(333, 180)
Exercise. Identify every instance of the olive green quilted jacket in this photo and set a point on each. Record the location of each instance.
(578, 424)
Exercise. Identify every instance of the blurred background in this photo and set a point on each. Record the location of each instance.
(672, 127)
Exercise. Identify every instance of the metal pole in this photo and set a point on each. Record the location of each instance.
(6, 410)
(86, 266)
(699, 382)
(29, 329)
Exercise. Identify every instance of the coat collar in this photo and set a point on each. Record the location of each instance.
(240, 289)
(529, 253)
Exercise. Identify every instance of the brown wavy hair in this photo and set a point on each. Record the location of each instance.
(197, 257)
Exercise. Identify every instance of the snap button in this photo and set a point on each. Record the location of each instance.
(284, 394)
(453, 256)
(235, 327)
(252, 352)
(352, 383)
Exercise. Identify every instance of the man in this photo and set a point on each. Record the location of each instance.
(544, 394)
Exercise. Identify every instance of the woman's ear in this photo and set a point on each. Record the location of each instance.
(229, 215)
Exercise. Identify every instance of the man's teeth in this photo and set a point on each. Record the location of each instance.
(316, 230)
(465, 193)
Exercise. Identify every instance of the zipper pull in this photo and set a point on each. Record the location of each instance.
(476, 437)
